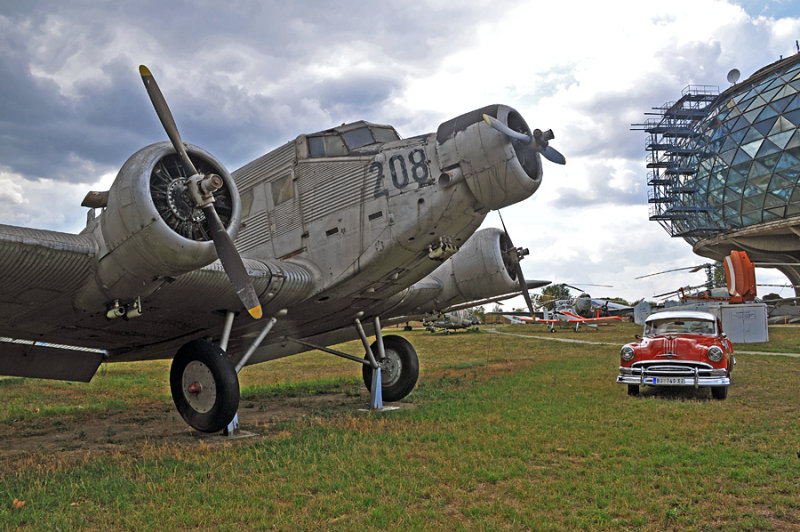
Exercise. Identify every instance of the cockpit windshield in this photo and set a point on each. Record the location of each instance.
(340, 142)
(356, 138)
(679, 326)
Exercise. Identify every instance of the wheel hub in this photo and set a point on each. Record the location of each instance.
(199, 387)
(391, 368)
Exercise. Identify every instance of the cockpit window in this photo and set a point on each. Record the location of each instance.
(359, 141)
(330, 145)
(679, 326)
(384, 134)
(316, 147)
(357, 138)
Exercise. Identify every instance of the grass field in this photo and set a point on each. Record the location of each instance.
(502, 432)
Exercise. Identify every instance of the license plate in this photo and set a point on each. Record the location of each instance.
(668, 380)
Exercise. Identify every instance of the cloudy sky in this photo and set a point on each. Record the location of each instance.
(245, 76)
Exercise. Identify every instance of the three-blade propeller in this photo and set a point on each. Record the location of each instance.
(539, 140)
(514, 255)
(200, 195)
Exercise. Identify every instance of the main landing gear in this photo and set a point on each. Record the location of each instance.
(205, 384)
(399, 368)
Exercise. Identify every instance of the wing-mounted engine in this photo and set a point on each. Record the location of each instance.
(498, 169)
(164, 217)
(150, 232)
(482, 268)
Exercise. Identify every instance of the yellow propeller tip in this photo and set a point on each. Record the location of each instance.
(486, 119)
(144, 71)
(255, 312)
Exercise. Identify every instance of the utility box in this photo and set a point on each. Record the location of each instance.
(743, 322)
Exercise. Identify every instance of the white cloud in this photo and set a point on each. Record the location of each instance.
(264, 72)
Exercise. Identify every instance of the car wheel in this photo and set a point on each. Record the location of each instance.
(719, 392)
(633, 389)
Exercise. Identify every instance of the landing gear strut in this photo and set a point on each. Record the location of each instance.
(204, 386)
(399, 368)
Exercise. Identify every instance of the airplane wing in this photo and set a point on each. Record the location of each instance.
(41, 269)
(45, 272)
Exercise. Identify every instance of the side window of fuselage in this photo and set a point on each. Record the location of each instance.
(282, 189)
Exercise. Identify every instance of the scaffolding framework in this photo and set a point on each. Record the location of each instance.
(672, 162)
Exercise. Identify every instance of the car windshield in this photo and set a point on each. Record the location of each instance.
(679, 326)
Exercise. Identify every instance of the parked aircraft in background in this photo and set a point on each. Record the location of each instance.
(782, 311)
(336, 233)
(451, 321)
(566, 316)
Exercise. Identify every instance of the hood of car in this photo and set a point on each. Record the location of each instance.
(675, 346)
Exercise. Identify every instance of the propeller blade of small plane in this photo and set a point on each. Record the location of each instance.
(165, 115)
(504, 129)
(232, 263)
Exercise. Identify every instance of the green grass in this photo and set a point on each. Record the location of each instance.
(502, 432)
(782, 339)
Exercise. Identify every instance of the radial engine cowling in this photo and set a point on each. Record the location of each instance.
(149, 233)
(480, 269)
(499, 171)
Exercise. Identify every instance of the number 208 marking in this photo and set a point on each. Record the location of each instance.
(417, 167)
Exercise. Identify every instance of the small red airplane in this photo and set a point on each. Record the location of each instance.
(568, 316)
(563, 315)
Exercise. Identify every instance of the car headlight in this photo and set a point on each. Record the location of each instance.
(626, 352)
(714, 354)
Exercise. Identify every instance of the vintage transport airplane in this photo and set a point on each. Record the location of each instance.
(334, 228)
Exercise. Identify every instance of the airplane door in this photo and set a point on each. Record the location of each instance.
(285, 218)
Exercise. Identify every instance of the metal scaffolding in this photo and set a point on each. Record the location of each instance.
(672, 161)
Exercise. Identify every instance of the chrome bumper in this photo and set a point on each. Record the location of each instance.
(697, 377)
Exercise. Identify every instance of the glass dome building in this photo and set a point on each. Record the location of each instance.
(723, 168)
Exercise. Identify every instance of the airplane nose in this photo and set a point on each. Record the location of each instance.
(498, 169)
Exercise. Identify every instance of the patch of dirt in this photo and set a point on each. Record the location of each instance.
(159, 424)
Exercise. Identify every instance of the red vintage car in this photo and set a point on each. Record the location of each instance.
(679, 348)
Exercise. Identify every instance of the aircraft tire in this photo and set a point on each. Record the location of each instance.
(399, 371)
(720, 393)
(633, 389)
(202, 363)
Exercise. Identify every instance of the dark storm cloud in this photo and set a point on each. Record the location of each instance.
(93, 128)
